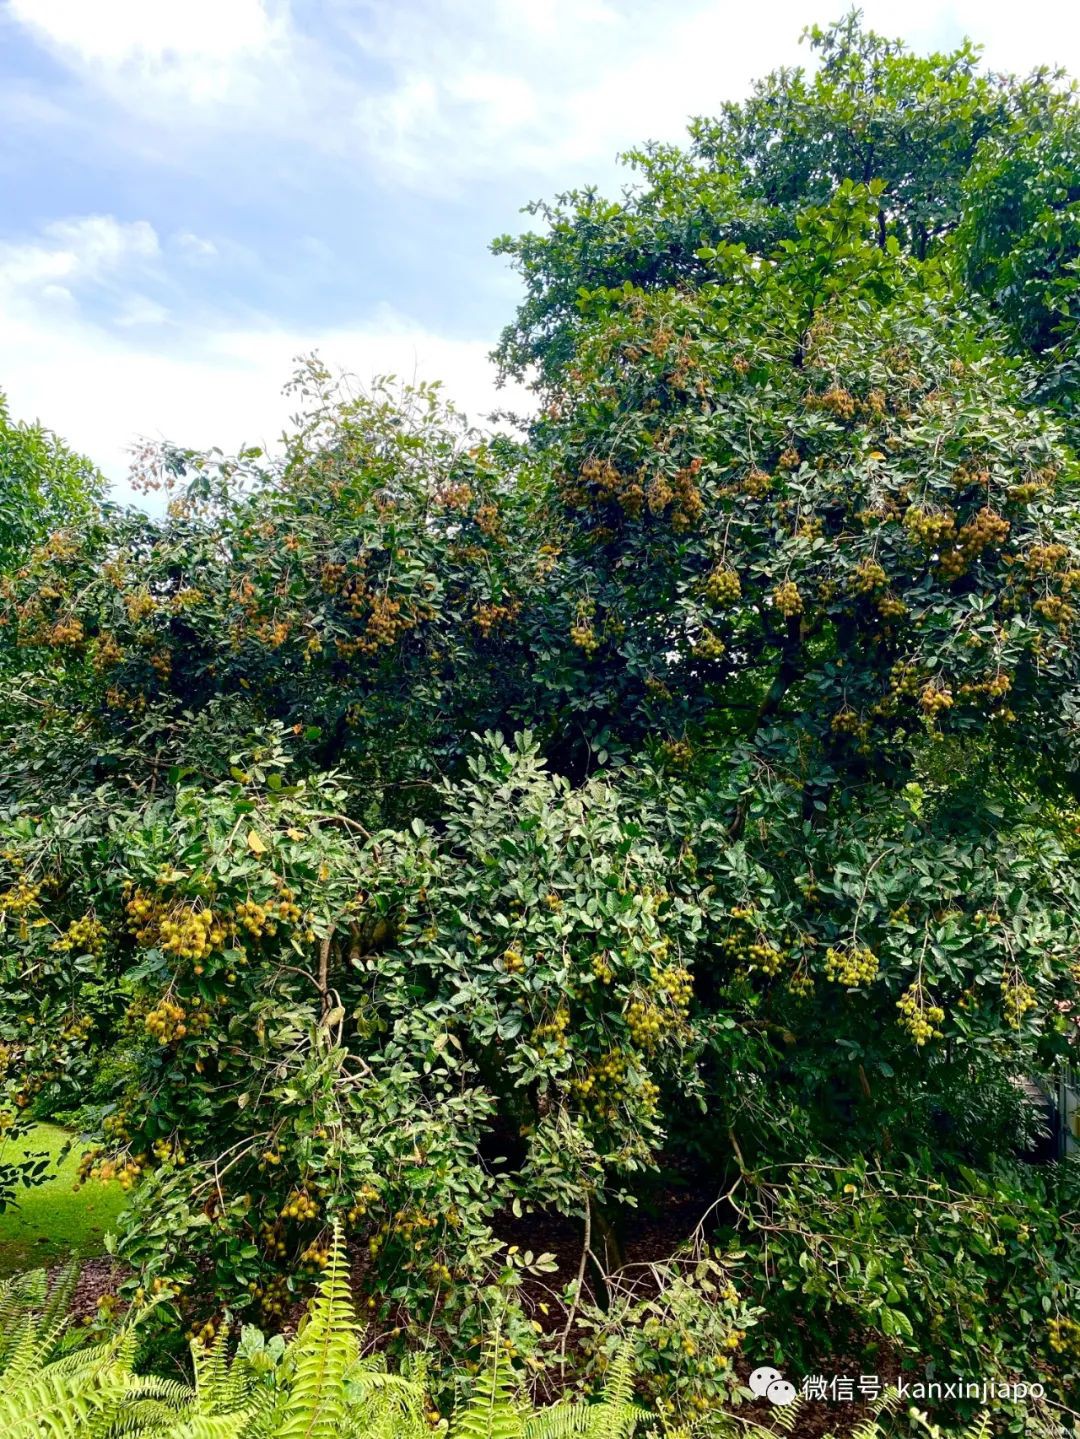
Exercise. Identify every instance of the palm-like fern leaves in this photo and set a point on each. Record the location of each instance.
(325, 1350)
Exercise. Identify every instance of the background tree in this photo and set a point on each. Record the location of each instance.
(43, 485)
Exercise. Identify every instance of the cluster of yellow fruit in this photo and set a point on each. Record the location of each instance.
(891, 607)
(76, 1029)
(126, 1169)
(273, 1240)
(204, 1334)
(190, 933)
(801, 985)
(1064, 1336)
(934, 699)
(159, 1285)
(139, 606)
(709, 646)
(582, 633)
(919, 1019)
(365, 1198)
(658, 495)
(115, 1126)
(409, 1224)
(300, 1205)
(107, 653)
(1045, 559)
(602, 968)
(169, 1022)
(1018, 997)
(906, 679)
(85, 936)
(165, 1151)
(512, 961)
(766, 957)
(723, 586)
(988, 529)
(677, 983)
(20, 898)
(677, 752)
(273, 1297)
(789, 459)
(607, 1073)
(930, 528)
(646, 1024)
(553, 1030)
(757, 483)
(747, 945)
(837, 401)
(809, 527)
(846, 721)
(853, 966)
(1058, 611)
(489, 617)
(315, 1257)
(66, 632)
(602, 481)
(787, 599)
(868, 577)
(994, 688)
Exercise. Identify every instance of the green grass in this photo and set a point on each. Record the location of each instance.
(54, 1220)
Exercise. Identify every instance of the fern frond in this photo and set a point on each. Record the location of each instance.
(787, 1417)
(492, 1411)
(619, 1382)
(979, 1428)
(324, 1350)
(57, 1305)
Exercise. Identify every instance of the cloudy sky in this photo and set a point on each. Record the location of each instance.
(195, 191)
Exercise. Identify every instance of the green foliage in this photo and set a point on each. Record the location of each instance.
(43, 486)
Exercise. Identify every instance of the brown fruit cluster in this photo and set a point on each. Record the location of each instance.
(935, 699)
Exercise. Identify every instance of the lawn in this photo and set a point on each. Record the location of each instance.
(54, 1220)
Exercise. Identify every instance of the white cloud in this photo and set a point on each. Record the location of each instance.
(508, 86)
(149, 32)
(75, 251)
(441, 95)
(140, 310)
(159, 58)
(195, 247)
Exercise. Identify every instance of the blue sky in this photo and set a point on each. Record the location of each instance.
(198, 190)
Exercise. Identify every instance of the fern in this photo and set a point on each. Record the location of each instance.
(492, 1411)
(324, 1351)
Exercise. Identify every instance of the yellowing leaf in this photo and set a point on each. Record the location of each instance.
(256, 843)
(295, 834)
